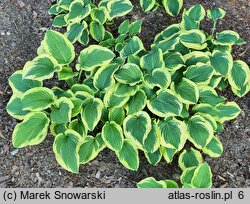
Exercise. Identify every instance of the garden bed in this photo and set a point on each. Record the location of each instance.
(23, 23)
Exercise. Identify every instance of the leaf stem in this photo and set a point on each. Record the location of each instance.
(214, 28)
(79, 76)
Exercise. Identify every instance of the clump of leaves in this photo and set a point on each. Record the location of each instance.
(172, 7)
(85, 17)
(122, 97)
(199, 176)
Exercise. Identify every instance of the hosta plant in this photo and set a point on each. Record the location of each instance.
(128, 99)
(85, 17)
(193, 177)
(126, 32)
(172, 7)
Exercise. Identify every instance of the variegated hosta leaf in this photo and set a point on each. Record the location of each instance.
(137, 127)
(74, 30)
(228, 111)
(90, 148)
(118, 43)
(119, 46)
(200, 73)
(56, 129)
(239, 78)
(78, 11)
(54, 10)
(202, 177)
(196, 13)
(65, 147)
(65, 4)
(179, 47)
(91, 112)
(82, 87)
(136, 102)
(165, 104)
(124, 27)
(102, 3)
(31, 131)
(173, 133)
(215, 81)
(15, 108)
(104, 117)
(41, 68)
(118, 8)
(147, 5)
(191, 158)
(135, 28)
(124, 89)
(78, 126)
(172, 7)
(58, 92)
(58, 46)
(188, 23)
(223, 84)
(197, 177)
(59, 21)
(61, 111)
(200, 131)
(129, 74)
(66, 73)
(194, 39)
(40, 49)
(167, 44)
(153, 158)
(187, 176)
(171, 184)
(209, 95)
(150, 93)
(242, 92)
(111, 100)
(216, 14)
(84, 39)
(176, 76)
(173, 61)
(150, 182)
(152, 60)
(185, 111)
(160, 77)
(37, 99)
(113, 136)
(210, 119)
(133, 47)
(83, 95)
(152, 142)
(168, 153)
(214, 148)
(187, 91)
(205, 108)
(222, 62)
(195, 57)
(169, 32)
(128, 155)
(226, 37)
(117, 115)
(19, 85)
(97, 31)
(99, 14)
(223, 48)
(104, 77)
(94, 56)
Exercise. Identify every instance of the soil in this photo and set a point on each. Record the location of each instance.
(23, 23)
